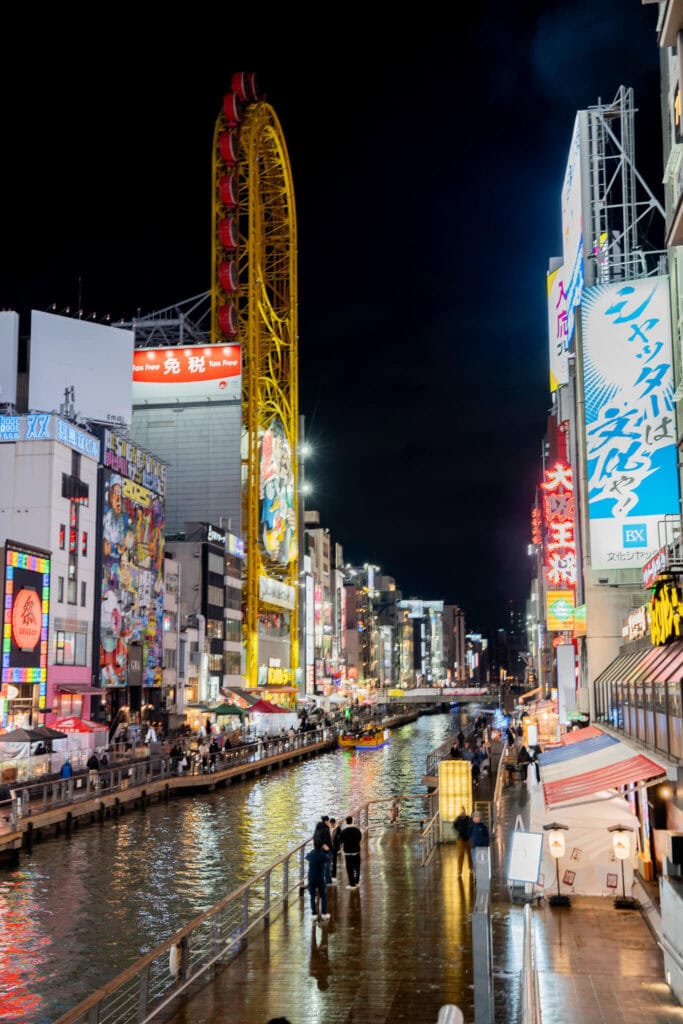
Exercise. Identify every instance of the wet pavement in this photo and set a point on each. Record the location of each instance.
(400, 948)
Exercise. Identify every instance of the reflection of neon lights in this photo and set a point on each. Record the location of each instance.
(37, 564)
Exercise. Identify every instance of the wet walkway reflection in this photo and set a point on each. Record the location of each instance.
(80, 910)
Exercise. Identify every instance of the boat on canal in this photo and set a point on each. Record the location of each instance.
(370, 738)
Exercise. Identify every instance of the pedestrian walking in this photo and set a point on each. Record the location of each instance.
(479, 834)
(335, 831)
(318, 859)
(93, 766)
(523, 760)
(463, 829)
(350, 841)
(322, 836)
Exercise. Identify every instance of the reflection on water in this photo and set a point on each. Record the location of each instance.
(82, 909)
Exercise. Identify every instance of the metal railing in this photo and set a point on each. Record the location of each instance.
(498, 790)
(214, 938)
(34, 798)
(530, 1001)
(430, 838)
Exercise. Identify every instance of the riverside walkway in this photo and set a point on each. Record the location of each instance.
(400, 948)
(397, 949)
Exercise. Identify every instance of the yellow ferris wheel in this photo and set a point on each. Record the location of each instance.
(254, 304)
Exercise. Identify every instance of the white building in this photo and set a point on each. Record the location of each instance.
(48, 501)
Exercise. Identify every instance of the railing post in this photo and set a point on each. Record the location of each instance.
(144, 994)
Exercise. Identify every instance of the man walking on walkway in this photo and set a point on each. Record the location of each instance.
(463, 828)
(318, 859)
(350, 843)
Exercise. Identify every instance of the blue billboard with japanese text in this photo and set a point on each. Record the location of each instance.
(630, 419)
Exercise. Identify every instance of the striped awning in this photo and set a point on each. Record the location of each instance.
(618, 669)
(583, 769)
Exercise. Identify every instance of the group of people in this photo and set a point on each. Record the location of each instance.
(524, 757)
(471, 832)
(476, 748)
(330, 839)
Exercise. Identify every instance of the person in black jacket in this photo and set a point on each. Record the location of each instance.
(350, 843)
(335, 830)
(479, 836)
(523, 760)
(318, 859)
(463, 828)
(322, 836)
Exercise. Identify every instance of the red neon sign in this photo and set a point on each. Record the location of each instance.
(558, 513)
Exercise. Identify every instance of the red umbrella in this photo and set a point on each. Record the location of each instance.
(73, 724)
(266, 706)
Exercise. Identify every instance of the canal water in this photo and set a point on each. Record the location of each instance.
(80, 910)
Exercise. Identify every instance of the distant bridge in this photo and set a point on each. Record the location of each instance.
(437, 695)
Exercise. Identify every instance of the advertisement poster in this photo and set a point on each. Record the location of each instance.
(630, 420)
(276, 496)
(131, 631)
(26, 615)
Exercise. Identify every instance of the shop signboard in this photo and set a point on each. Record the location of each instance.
(630, 428)
(132, 580)
(26, 609)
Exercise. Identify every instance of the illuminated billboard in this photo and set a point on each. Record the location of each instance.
(26, 610)
(195, 373)
(132, 587)
(559, 609)
(276, 496)
(45, 427)
(630, 424)
(92, 358)
(557, 329)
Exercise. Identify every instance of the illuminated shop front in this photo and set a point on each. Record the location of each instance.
(26, 612)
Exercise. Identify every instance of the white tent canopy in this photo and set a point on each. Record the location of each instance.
(589, 846)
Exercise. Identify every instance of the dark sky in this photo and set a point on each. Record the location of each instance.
(427, 161)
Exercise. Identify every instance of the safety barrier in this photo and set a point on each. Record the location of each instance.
(530, 1001)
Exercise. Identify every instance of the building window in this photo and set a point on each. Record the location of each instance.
(83, 593)
(233, 630)
(71, 591)
(214, 630)
(215, 663)
(69, 704)
(70, 648)
(84, 543)
(233, 598)
(60, 589)
(231, 661)
(80, 648)
(214, 596)
(169, 657)
(62, 536)
(216, 564)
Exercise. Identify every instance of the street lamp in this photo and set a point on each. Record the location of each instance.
(556, 845)
(621, 845)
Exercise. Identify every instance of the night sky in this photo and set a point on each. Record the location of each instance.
(427, 162)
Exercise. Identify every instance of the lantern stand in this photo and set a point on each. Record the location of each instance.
(556, 846)
(622, 851)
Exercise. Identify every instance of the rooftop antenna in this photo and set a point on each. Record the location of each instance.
(68, 409)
